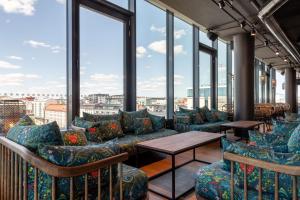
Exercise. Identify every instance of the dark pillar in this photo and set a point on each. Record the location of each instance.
(291, 89)
(244, 76)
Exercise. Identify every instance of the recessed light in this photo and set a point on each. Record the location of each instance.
(242, 24)
(253, 32)
(221, 4)
(277, 52)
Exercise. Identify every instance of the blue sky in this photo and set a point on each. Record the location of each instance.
(33, 50)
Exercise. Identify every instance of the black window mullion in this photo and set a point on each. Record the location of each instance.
(196, 67)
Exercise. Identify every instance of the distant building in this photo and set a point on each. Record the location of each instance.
(56, 112)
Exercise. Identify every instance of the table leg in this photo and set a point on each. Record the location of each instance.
(173, 177)
(194, 154)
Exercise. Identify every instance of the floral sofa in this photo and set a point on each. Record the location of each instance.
(199, 119)
(68, 149)
(213, 181)
(125, 128)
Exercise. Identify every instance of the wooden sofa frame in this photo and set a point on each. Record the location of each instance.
(14, 160)
(293, 171)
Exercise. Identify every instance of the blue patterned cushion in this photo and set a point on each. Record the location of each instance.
(158, 122)
(196, 117)
(294, 141)
(32, 136)
(283, 127)
(285, 181)
(74, 138)
(98, 118)
(212, 182)
(128, 119)
(203, 110)
(212, 116)
(142, 126)
(182, 118)
(268, 139)
(290, 117)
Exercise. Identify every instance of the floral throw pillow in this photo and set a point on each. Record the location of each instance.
(212, 116)
(158, 122)
(74, 138)
(143, 126)
(25, 121)
(98, 118)
(129, 117)
(196, 117)
(103, 131)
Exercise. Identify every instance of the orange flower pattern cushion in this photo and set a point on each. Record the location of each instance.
(74, 138)
(143, 126)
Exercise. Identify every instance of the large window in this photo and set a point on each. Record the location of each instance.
(222, 74)
(151, 58)
(205, 79)
(183, 64)
(204, 39)
(32, 62)
(280, 92)
(122, 3)
(101, 63)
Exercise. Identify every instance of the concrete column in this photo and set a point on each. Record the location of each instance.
(291, 89)
(244, 76)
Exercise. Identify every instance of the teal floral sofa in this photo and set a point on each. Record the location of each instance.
(125, 128)
(70, 149)
(199, 119)
(283, 148)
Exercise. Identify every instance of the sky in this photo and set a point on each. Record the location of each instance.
(33, 50)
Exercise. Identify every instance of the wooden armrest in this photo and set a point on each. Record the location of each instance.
(285, 169)
(59, 171)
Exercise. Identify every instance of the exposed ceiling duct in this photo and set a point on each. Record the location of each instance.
(266, 16)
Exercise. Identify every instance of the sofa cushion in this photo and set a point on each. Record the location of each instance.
(268, 139)
(290, 117)
(212, 116)
(157, 134)
(203, 110)
(284, 127)
(294, 141)
(74, 138)
(97, 118)
(265, 154)
(212, 182)
(128, 119)
(25, 121)
(158, 122)
(208, 127)
(196, 117)
(182, 118)
(33, 135)
(142, 126)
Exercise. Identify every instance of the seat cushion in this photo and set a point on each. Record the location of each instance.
(208, 127)
(212, 182)
(34, 135)
(284, 127)
(294, 141)
(158, 134)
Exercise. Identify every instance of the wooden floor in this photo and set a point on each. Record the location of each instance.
(208, 153)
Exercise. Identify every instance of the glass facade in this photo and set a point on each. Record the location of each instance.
(101, 79)
(204, 39)
(205, 79)
(151, 58)
(183, 64)
(33, 62)
(280, 93)
(121, 3)
(222, 74)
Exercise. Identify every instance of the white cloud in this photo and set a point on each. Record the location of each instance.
(25, 7)
(158, 29)
(36, 44)
(15, 57)
(61, 1)
(178, 79)
(104, 77)
(7, 65)
(140, 51)
(160, 47)
(7, 21)
(16, 79)
(179, 33)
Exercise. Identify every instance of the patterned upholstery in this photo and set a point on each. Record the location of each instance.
(33, 135)
(158, 122)
(142, 126)
(128, 119)
(74, 138)
(98, 118)
(294, 141)
(208, 127)
(213, 183)
(283, 127)
(196, 117)
(25, 121)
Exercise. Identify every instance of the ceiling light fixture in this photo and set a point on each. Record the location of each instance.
(242, 24)
(277, 52)
(221, 4)
(253, 32)
(285, 60)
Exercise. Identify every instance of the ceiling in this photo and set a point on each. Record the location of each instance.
(208, 15)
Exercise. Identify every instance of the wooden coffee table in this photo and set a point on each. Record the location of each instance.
(174, 145)
(243, 124)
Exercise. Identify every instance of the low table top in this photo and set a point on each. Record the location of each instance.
(180, 142)
(242, 124)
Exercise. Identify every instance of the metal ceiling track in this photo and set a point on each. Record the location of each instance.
(266, 16)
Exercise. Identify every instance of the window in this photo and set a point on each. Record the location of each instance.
(101, 63)
(33, 63)
(183, 64)
(122, 3)
(222, 74)
(205, 79)
(204, 39)
(280, 93)
(151, 58)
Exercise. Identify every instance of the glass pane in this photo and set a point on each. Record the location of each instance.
(222, 74)
(183, 64)
(204, 39)
(32, 62)
(280, 93)
(101, 63)
(205, 79)
(151, 58)
(122, 3)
